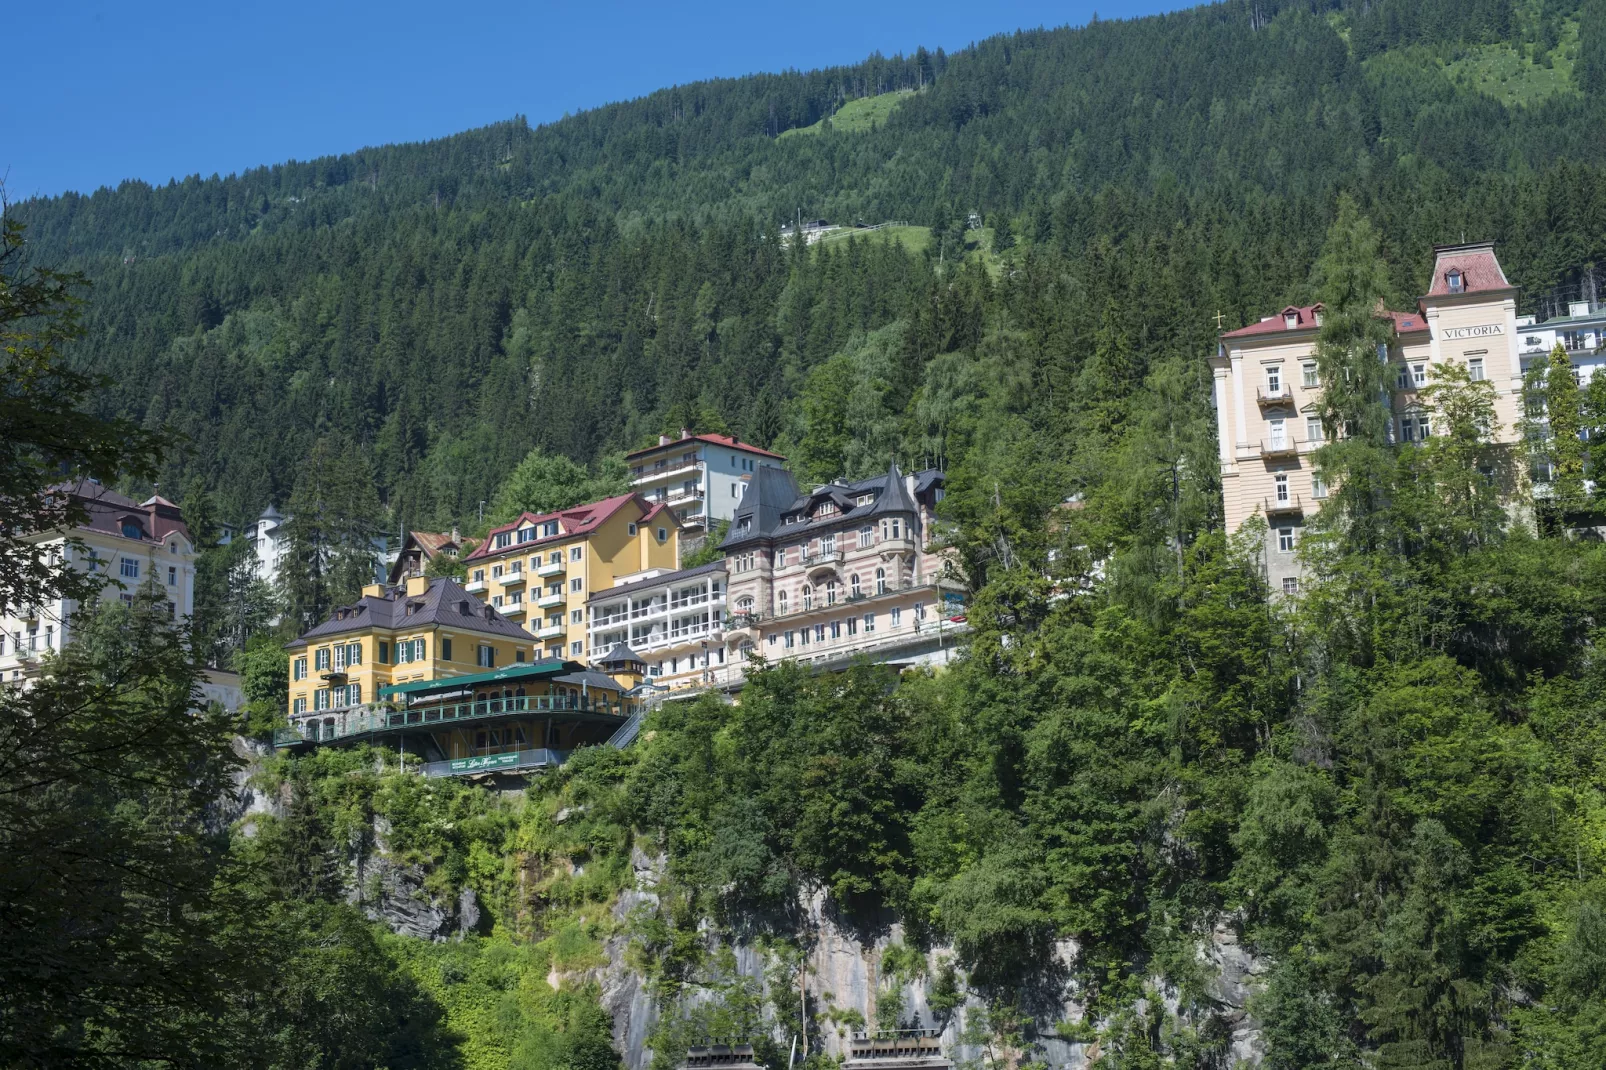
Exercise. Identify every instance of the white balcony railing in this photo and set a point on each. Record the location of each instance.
(555, 568)
(550, 631)
(670, 471)
(550, 601)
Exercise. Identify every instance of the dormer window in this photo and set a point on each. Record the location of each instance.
(503, 539)
(462, 606)
(1290, 320)
(1455, 281)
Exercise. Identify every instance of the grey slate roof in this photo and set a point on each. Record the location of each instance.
(621, 654)
(589, 678)
(664, 579)
(763, 509)
(443, 604)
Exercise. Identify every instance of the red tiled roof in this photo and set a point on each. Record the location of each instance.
(1305, 320)
(431, 541)
(1403, 322)
(1477, 264)
(727, 441)
(579, 520)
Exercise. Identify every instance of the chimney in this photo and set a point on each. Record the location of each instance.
(663, 440)
(417, 585)
(685, 432)
(374, 590)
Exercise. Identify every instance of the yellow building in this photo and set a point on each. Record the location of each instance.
(540, 569)
(428, 669)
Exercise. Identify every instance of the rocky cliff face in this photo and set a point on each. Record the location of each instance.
(843, 974)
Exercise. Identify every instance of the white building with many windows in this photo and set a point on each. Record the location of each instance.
(130, 544)
(700, 477)
(673, 622)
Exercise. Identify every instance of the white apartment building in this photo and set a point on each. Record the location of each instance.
(131, 544)
(271, 544)
(671, 621)
(700, 477)
(1582, 333)
(1267, 388)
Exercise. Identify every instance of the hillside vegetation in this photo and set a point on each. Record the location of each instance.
(1389, 788)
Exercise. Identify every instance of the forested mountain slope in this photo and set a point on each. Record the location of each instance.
(452, 304)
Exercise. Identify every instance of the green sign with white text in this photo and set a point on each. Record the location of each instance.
(488, 761)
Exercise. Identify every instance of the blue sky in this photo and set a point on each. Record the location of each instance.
(98, 91)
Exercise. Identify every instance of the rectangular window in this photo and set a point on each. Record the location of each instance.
(836, 629)
(1280, 483)
(1318, 487)
(518, 656)
(503, 539)
(320, 699)
(1419, 375)
(897, 616)
(576, 552)
(576, 616)
(172, 576)
(487, 657)
(384, 652)
(418, 650)
(1290, 585)
(819, 633)
(576, 648)
(853, 626)
(1274, 379)
(869, 623)
(1475, 369)
(1309, 369)
(129, 568)
(446, 648)
(1313, 428)
(299, 706)
(320, 659)
(803, 635)
(790, 640)
(576, 584)
(299, 672)
(1402, 380)
(1279, 434)
(1285, 540)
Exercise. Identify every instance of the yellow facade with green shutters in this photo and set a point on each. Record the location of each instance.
(423, 630)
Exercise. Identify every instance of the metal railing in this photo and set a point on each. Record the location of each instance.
(368, 720)
(506, 761)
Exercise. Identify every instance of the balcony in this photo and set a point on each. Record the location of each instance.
(1275, 506)
(550, 631)
(556, 568)
(677, 469)
(823, 558)
(512, 609)
(474, 586)
(684, 494)
(1283, 395)
(510, 578)
(361, 721)
(550, 601)
(1278, 448)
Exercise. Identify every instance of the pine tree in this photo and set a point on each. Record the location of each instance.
(1564, 446)
(1352, 281)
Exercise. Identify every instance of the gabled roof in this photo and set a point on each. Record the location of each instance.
(730, 442)
(621, 655)
(431, 542)
(1480, 269)
(579, 520)
(106, 510)
(763, 510)
(445, 604)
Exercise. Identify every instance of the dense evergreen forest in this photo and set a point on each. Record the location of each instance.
(1390, 789)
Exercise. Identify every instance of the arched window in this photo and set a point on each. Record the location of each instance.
(744, 605)
(880, 581)
(808, 598)
(830, 592)
(780, 601)
(853, 586)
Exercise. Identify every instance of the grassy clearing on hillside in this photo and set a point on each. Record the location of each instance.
(1505, 72)
(857, 116)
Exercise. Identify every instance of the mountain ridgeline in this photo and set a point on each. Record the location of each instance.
(450, 305)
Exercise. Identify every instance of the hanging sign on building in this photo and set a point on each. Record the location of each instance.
(1486, 330)
(487, 761)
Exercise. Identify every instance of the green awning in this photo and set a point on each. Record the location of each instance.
(535, 670)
